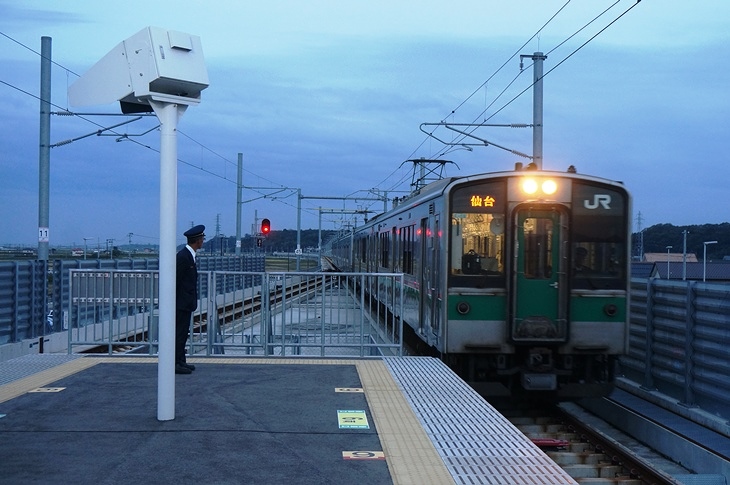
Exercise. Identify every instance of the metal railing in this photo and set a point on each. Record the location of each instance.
(112, 307)
(23, 300)
(243, 313)
(34, 295)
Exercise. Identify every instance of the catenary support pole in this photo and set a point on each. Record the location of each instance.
(537, 107)
(239, 203)
(44, 153)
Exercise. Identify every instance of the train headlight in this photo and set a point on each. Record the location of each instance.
(529, 186)
(610, 310)
(549, 187)
(463, 308)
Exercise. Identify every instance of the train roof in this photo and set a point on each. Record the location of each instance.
(439, 186)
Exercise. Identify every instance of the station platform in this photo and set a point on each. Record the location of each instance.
(405, 420)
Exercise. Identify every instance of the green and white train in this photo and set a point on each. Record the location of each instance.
(517, 280)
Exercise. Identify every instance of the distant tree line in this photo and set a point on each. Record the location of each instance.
(659, 236)
(656, 240)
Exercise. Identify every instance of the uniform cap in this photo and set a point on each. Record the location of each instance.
(196, 231)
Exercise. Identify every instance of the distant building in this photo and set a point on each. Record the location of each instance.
(644, 270)
(673, 266)
(664, 257)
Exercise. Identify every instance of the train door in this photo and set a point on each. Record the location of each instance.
(539, 296)
(435, 276)
(428, 284)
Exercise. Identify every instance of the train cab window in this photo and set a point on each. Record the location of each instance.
(599, 247)
(598, 265)
(477, 249)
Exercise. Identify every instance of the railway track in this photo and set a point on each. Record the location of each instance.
(584, 452)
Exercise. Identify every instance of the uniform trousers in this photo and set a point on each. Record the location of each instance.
(182, 331)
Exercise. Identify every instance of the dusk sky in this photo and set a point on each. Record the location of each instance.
(328, 96)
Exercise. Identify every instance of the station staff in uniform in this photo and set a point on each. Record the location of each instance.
(186, 295)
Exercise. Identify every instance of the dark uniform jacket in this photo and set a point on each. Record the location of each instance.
(187, 281)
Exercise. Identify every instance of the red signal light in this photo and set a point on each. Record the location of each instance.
(265, 227)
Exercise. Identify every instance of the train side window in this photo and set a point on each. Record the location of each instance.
(397, 254)
(407, 234)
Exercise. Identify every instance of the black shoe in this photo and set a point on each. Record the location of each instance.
(181, 369)
(189, 366)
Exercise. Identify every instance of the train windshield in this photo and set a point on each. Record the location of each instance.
(477, 236)
(599, 247)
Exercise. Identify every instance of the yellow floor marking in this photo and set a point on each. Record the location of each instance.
(48, 389)
(19, 387)
(412, 457)
(348, 389)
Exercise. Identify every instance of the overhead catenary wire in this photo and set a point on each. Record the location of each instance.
(64, 111)
(482, 116)
(404, 177)
(497, 71)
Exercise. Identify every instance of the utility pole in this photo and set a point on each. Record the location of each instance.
(537, 105)
(218, 233)
(44, 154)
(640, 242)
(467, 139)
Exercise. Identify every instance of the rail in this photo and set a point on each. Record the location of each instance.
(242, 313)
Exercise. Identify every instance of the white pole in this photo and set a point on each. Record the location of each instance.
(168, 114)
(684, 256)
(704, 258)
(668, 248)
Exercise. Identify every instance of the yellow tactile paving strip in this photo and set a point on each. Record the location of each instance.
(409, 453)
(40, 379)
(411, 456)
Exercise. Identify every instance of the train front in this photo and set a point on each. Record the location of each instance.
(537, 283)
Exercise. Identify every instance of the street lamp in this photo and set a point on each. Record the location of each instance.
(704, 259)
(668, 248)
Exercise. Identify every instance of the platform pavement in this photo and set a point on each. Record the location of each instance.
(255, 424)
